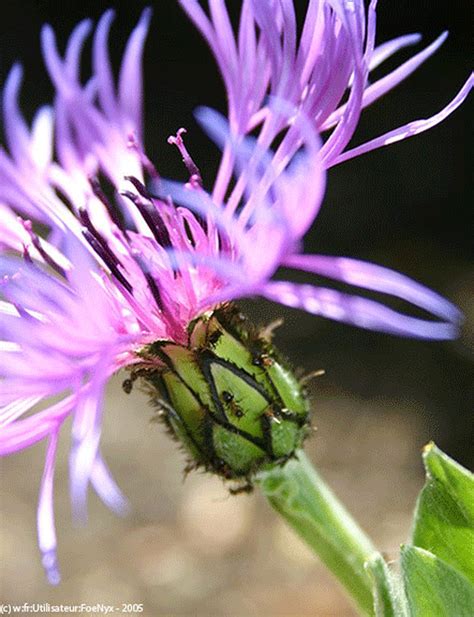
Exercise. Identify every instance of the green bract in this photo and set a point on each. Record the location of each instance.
(227, 396)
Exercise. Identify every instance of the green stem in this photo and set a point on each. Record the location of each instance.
(300, 495)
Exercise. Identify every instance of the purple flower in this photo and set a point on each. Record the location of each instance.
(113, 274)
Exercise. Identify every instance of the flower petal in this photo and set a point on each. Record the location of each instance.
(15, 409)
(388, 82)
(130, 81)
(376, 278)
(389, 48)
(102, 68)
(25, 433)
(105, 486)
(355, 311)
(45, 514)
(410, 129)
(86, 431)
(16, 131)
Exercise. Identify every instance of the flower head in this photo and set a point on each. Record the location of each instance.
(118, 270)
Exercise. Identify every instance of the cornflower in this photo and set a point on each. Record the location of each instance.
(124, 278)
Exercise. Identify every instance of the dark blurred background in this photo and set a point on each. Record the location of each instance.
(408, 207)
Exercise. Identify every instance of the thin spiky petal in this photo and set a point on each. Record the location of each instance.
(300, 68)
(45, 514)
(377, 89)
(356, 311)
(411, 128)
(376, 278)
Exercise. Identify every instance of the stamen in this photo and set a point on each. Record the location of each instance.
(103, 255)
(26, 255)
(86, 221)
(155, 291)
(41, 250)
(100, 246)
(225, 245)
(141, 188)
(162, 300)
(150, 214)
(101, 196)
(144, 160)
(195, 179)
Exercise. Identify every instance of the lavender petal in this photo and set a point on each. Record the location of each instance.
(355, 311)
(376, 278)
(390, 81)
(45, 514)
(106, 487)
(408, 130)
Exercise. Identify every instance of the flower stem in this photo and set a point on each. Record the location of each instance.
(307, 504)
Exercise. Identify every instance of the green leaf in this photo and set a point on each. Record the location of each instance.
(438, 568)
(388, 597)
(433, 588)
(444, 515)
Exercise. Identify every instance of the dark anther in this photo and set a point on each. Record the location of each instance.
(141, 188)
(150, 214)
(201, 220)
(48, 259)
(189, 233)
(224, 242)
(129, 195)
(86, 221)
(39, 247)
(110, 260)
(99, 193)
(155, 291)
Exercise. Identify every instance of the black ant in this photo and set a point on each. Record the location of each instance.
(214, 337)
(127, 385)
(229, 399)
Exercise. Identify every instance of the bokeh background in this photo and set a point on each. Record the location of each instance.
(188, 548)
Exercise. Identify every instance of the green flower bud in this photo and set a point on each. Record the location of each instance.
(227, 396)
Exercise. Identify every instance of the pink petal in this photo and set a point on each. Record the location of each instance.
(17, 408)
(25, 433)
